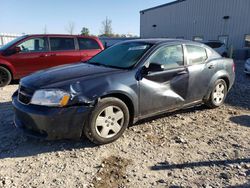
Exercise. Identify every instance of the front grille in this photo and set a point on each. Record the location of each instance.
(25, 94)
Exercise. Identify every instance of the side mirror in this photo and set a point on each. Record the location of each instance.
(155, 67)
(12, 51)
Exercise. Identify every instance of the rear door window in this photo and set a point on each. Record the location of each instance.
(88, 44)
(196, 54)
(62, 44)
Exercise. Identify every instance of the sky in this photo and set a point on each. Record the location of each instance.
(32, 16)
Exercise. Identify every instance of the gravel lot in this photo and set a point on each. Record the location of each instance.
(197, 147)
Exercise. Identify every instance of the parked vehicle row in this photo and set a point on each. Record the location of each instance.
(119, 86)
(218, 46)
(31, 53)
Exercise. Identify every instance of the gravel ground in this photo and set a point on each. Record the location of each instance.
(197, 147)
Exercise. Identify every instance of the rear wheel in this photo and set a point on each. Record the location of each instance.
(218, 94)
(108, 121)
(5, 76)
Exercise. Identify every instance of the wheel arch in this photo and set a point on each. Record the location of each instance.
(219, 75)
(8, 68)
(127, 100)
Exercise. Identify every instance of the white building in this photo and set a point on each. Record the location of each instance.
(225, 20)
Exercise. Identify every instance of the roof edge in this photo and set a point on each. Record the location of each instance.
(163, 5)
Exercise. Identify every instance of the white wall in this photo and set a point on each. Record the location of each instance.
(199, 18)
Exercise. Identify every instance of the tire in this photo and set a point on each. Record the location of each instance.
(218, 94)
(113, 117)
(5, 76)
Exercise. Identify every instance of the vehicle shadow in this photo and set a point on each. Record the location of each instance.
(14, 144)
(241, 120)
(167, 166)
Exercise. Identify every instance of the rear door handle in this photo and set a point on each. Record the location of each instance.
(53, 55)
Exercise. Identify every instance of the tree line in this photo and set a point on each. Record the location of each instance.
(106, 30)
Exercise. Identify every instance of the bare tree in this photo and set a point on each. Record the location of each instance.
(70, 28)
(106, 29)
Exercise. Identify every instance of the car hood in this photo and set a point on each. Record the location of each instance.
(66, 73)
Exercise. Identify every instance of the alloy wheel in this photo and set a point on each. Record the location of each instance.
(219, 93)
(109, 122)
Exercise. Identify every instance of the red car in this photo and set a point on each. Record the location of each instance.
(31, 53)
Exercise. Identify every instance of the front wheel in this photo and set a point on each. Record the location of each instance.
(218, 94)
(108, 121)
(5, 77)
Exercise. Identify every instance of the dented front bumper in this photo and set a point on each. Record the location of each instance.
(50, 123)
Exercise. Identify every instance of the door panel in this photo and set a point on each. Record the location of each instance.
(32, 57)
(63, 51)
(200, 70)
(200, 76)
(165, 89)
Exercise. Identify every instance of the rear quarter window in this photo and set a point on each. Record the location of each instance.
(88, 44)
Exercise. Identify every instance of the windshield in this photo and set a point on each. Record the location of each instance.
(9, 44)
(124, 55)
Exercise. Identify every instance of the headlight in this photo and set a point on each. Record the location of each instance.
(50, 97)
(248, 62)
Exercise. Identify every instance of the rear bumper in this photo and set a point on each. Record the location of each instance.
(50, 123)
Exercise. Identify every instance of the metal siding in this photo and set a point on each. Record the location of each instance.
(199, 18)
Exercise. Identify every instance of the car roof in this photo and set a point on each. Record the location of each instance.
(156, 41)
(59, 35)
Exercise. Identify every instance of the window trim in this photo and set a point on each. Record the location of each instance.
(62, 50)
(245, 40)
(187, 54)
(33, 37)
(147, 63)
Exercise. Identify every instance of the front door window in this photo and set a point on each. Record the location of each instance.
(33, 45)
(169, 56)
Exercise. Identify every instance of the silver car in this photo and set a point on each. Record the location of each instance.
(247, 66)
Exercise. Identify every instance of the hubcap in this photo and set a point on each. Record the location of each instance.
(219, 94)
(3, 77)
(109, 122)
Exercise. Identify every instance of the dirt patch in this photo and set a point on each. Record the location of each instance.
(112, 173)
